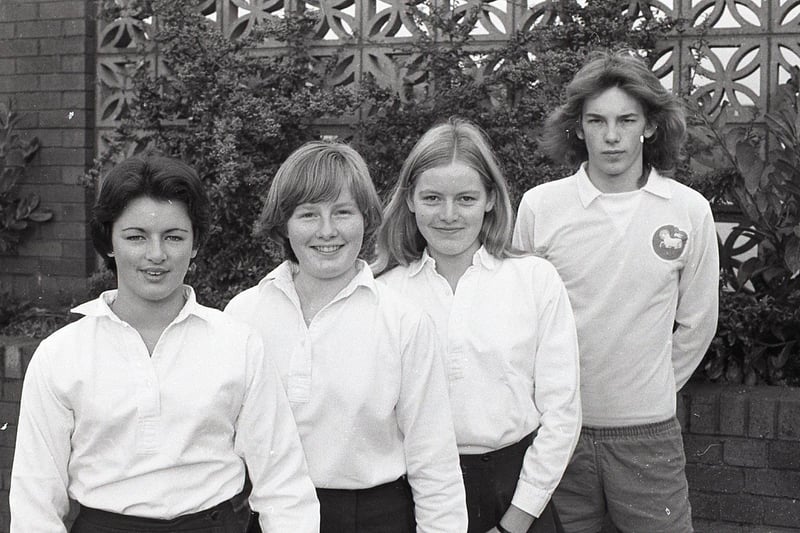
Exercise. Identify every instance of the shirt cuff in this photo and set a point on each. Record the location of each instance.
(530, 499)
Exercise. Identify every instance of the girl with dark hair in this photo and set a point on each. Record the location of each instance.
(149, 410)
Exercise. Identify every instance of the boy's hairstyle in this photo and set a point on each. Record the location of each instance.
(318, 171)
(152, 176)
(457, 140)
(627, 71)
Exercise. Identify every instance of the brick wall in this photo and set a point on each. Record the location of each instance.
(742, 449)
(47, 68)
(743, 457)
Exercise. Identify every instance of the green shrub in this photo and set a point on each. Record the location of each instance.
(234, 117)
(758, 172)
(17, 213)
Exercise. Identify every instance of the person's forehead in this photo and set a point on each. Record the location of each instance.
(612, 101)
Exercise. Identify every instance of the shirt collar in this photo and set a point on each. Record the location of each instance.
(656, 184)
(283, 277)
(481, 257)
(101, 306)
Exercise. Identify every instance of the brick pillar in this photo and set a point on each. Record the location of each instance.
(47, 50)
(47, 69)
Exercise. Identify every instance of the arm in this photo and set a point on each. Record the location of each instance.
(38, 498)
(523, 228)
(267, 439)
(698, 299)
(557, 399)
(423, 414)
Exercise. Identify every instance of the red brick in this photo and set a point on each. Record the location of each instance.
(76, 63)
(64, 267)
(18, 47)
(782, 512)
(6, 31)
(733, 412)
(789, 421)
(76, 250)
(19, 83)
(32, 101)
(711, 526)
(5, 477)
(746, 452)
(75, 138)
(12, 390)
(64, 82)
(7, 65)
(18, 265)
(72, 212)
(772, 482)
(40, 248)
(64, 230)
(9, 413)
(75, 27)
(703, 415)
(63, 45)
(704, 505)
(715, 478)
(63, 156)
(742, 508)
(6, 457)
(784, 455)
(75, 100)
(702, 449)
(38, 65)
(12, 10)
(62, 10)
(761, 421)
(38, 28)
(8, 436)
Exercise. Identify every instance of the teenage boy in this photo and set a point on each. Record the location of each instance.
(638, 254)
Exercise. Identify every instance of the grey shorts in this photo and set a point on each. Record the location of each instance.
(635, 474)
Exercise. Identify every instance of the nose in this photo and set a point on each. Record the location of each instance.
(155, 251)
(449, 211)
(612, 133)
(327, 228)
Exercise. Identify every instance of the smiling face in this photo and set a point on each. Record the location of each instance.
(449, 204)
(152, 245)
(326, 238)
(613, 124)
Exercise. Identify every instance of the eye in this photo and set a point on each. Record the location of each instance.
(468, 198)
(174, 238)
(134, 238)
(304, 215)
(429, 197)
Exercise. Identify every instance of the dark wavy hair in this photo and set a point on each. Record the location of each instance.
(627, 71)
(157, 177)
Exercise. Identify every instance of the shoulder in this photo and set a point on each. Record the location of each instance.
(548, 189)
(394, 277)
(245, 301)
(686, 195)
(530, 267)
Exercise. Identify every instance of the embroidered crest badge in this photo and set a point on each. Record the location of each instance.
(669, 242)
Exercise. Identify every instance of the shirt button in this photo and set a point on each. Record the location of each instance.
(485, 458)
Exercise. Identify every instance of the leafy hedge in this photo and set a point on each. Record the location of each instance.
(235, 116)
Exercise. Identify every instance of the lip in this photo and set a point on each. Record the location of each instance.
(327, 248)
(613, 152)
(447, 230)
(154, 271)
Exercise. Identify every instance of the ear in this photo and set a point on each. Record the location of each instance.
(650, 130)
(110, 254)
(490, 201)
(579, 133)
(194, 253)
(410, 202)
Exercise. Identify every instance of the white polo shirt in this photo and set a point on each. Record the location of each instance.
(511, 352)
(636, 266)
(106, 423)
(367, 389)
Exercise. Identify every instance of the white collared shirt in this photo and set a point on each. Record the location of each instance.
(367, 389)
(105, 423)
(511, 353)
(644, 288)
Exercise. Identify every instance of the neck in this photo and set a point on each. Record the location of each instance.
(144, 314)
(452, 267)
(314, 293)
(632, 180)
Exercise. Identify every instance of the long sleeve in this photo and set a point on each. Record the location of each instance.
(698, 300)
(556, 397)
(267, 438)
(523, 229)
(424, 417)
(38, 497)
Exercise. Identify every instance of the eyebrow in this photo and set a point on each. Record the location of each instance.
(623, 115)
(137, 228)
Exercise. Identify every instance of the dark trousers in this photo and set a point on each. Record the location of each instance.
(230, 516)
(387, 508)
(490, 480)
